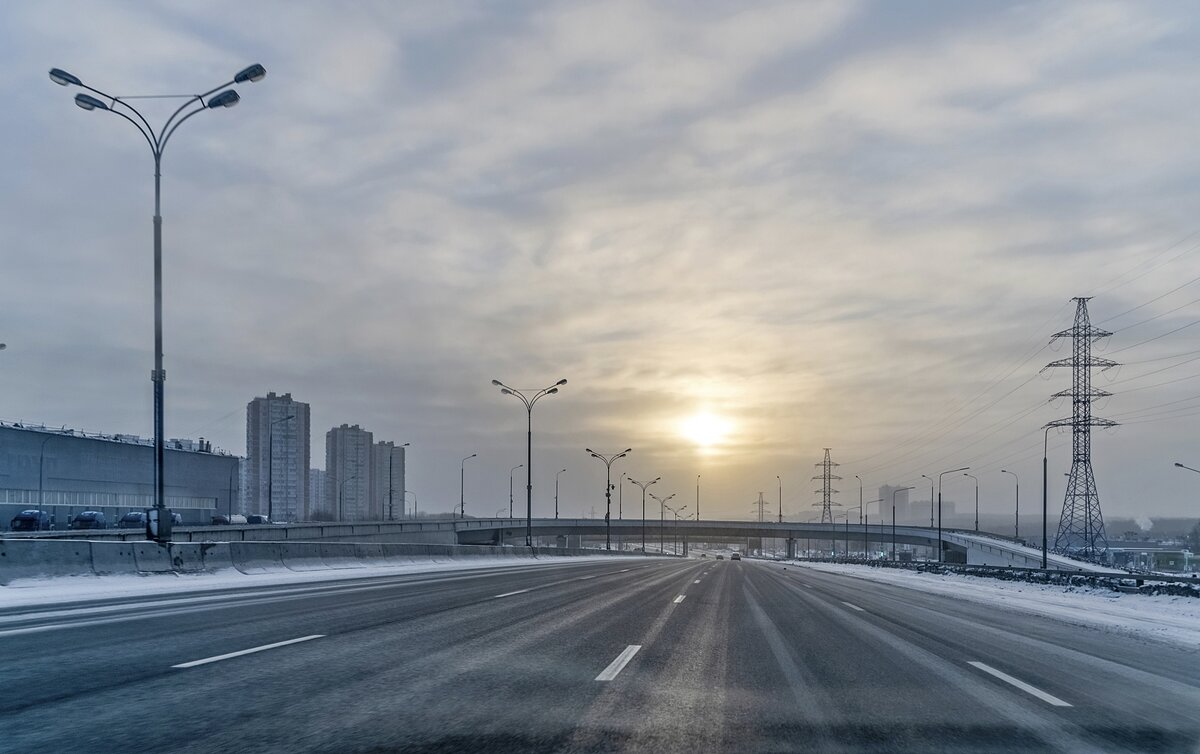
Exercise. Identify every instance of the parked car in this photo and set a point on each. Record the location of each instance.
(257, 518)
(89, 520)
(132, 520)
(223, 520)
(32, 520)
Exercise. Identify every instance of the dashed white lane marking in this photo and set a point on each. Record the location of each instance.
(679, 598)
(627, 570)
(617, 665)
(509, 594)
(853, 606)
(697, 581)
(585, 578)
(1031, 690)
(252, 650)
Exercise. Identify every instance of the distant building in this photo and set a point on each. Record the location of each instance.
(316, 492)
(349, 481)
(285, 472)
(65, 471)
(902, 505)
(389, 480)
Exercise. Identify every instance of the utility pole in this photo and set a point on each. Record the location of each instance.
(1081, 527)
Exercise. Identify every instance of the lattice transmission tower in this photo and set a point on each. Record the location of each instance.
(827, 491)
(761, 503)
(1081, 527)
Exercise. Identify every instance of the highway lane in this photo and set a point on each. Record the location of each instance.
(698, 655)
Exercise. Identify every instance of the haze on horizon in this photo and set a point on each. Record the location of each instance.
(743, 232)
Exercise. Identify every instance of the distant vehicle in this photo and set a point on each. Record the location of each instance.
(222, 520)
(736, 556)
(720, 557)
(132, 520)
(177, 519)
(32, 520)
(257, 518)
(89, 520)
(704, 554)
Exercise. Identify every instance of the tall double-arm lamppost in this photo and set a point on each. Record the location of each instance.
(901, 489)
(462, 480)
(157, 141)
(662, 518)
(940, 475)
(972, 476)
(342, 498)
(608, 462)
(510, 490)
(529, 402)
(644, 485)
(556, 475)
(675, 539)
(271, 464)
(1016, 505)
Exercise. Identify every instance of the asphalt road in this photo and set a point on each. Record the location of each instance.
(730, 657)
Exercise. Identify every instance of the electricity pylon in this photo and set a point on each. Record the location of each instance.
(827, 491)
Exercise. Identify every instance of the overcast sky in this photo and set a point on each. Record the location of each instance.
(819, 224)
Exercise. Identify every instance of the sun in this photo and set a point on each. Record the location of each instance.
(705, 429)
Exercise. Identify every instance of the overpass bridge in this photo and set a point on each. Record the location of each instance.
(957, 545)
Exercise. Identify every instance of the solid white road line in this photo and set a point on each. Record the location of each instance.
(679, 598)
(509, 594)
(853, 606)
(1047, 698)
(252, 650)
(617, 665)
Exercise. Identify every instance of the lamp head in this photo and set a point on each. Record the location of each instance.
(250, 73)
(561, 382)
(62, 78)
(552, 391)
(505, 391)
(227, 98)
(88, 102)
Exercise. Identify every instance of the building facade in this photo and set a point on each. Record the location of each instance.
(65, 472)
(349, 477)
(278, 457)
(317, 502)
(389, 480)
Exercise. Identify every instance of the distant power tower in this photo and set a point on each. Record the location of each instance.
(761, 503)
(1081, 528)
(827, 491)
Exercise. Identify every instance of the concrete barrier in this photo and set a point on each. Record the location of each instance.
(257, 557)
(340, 555)
(112, 557)
(217, 556)
(151, 557)
(42, 558)
(370, 554)
(302, 556)
(186, 557)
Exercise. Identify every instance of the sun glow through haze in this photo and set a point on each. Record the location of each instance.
(705, 429)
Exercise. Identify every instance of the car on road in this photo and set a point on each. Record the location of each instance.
(132, 520)
(89, 520)
(736, 556)
(720, 557)
(257, 518)
(32, 520)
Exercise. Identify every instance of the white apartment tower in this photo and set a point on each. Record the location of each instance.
(349, 477)
(277, 457)
(389, 481)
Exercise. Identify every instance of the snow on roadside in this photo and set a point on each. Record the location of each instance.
(64, 589)
(1163, 617)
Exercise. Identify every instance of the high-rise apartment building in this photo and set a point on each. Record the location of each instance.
(277, 457)
(317, 502)
(389, 480)
(349, 473)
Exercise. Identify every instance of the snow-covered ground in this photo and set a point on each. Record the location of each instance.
(37, 592)
(1162, 617)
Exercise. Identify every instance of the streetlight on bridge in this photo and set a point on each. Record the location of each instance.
(1016, 507)
(157, 141)
(556, 475)
(510, 490)
(462, 478)
(972, 476)
(940, 475)
(608, 462)
(529, 403)
(662, 519)
(644, 485)
(901, 489)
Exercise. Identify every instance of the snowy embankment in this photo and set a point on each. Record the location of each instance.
(64, 589)
(1162, 617)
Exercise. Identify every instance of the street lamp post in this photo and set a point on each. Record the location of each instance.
(675, 538)
(1045, 486)
(529, 403)
(510, 489)
(939, 522)
(342, 496)
(556, 475)
(414, 508)
(662, 519)
(848, 509)
(697, 497)
(860, 498)
(608, 462)
(644, 485)
(777, 479)
(271, 464)
(158, 143)
(926, 476)
(976, 499)
(1016, 506)
(462, 478)
(902, 489)
(866, 528)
